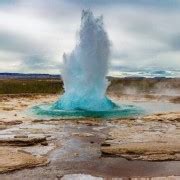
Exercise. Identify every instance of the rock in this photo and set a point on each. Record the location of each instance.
(105, 144)
(2, 127)
(83, 134)
(5, 124)
(38, 120)
(14, 159)
(153, 138)
(171, 116)
(44, 143)
(59, 176)
(21, 141)
(175, 100)
(8, 109)
(144, 151)
(20, 136)
(80, 176)
(76, 154)
(89, 122)
(39, 149)
(10, 123)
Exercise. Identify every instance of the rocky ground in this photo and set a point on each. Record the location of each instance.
(102, 148)
(152, 138)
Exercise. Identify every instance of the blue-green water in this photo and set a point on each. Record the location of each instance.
(121, 111)
(84, 73)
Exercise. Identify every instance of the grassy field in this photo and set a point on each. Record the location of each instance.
(53, 86)
(17, 86)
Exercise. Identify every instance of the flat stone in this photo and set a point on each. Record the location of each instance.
(80, 176)
(14, 159)
(44, 143)
(175, 99)
(171, 116)
(5, 124)
(20, 136)
(8, 109)
(10, 123)
(144, 151)
(92, 122)
(21, 141)
(152, 138)
(2, 127)
(83, 134)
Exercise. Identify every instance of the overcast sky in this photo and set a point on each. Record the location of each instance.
(35, 33)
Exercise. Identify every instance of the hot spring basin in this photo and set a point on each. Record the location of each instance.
(47, 111)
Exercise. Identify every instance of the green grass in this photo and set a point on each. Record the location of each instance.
(17, 86)
(55, 86)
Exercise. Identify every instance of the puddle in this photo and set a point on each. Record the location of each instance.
(126, 109)
(151, 107)
(80, 177)
(80, 156)
(89, 177)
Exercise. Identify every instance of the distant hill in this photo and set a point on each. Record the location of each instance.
(28, 76)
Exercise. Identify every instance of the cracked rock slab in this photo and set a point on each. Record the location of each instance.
(21, 141)
(152, 138)
(14, 159)
(6, 124)
(144, 151)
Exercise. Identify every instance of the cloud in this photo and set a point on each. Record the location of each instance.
(174, 42)
(152, 3)
(7, 2)
(141, 37)
(39, 64)
(36, 37)
(16, 43)
(35, 33)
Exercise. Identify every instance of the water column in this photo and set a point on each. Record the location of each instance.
(85, 68)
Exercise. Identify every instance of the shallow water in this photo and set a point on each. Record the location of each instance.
(118, 111)
(89, 177)
(151, 107)
(122, 110)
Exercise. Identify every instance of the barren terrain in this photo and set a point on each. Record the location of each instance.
(144, 146)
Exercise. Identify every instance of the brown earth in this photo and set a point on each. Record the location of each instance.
(21, 140)
(153, 138)
(75, 146)
(13, 159)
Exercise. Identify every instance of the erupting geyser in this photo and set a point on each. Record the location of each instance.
(85, 68)
(84, 76)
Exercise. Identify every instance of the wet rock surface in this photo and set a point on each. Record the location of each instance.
(80, 176)
(21, 140)
(6, 124)
(153, 138)
(13, 159)
(94, 147)
(89, 177)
